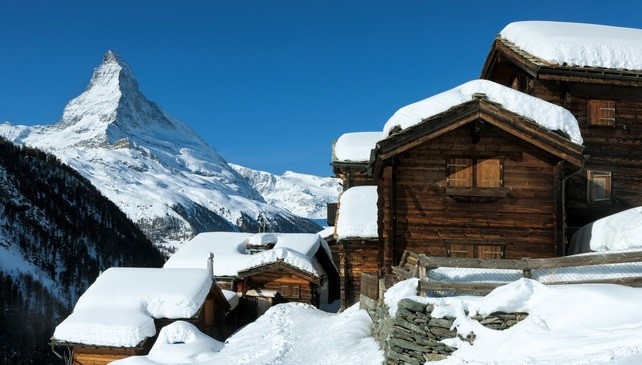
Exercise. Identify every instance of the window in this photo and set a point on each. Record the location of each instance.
(290, 291)
(598, 185)
(479, 251)
(601, 113)
(474, 173)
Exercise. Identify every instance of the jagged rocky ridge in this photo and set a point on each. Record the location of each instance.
(155, 168)
(57, 232)
(302, 194)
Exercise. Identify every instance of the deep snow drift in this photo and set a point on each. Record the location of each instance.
(569, 324)
(291, 333)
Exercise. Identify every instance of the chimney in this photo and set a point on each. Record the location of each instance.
(210, 264)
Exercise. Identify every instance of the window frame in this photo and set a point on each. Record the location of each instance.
(473, 250)
(475, 188)
(601, 113)
(591, 186)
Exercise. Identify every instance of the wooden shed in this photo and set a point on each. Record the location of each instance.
(109, 323)
(475, 178)
(604, 93)
(271, 267)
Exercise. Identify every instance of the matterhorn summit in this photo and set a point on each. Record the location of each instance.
(155, 168)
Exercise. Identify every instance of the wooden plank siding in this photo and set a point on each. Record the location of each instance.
(616, 148)
(286, 285)
(357, 256)
(412, 197)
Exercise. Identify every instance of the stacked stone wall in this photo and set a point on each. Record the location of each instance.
(413, 336)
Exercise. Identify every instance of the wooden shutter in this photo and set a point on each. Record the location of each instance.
(490, 252)
(460, 173)
(601, 112)
(457, 250)
(489, 173)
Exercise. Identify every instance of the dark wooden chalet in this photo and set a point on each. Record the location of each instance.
(280, 282)
(607, 103)
(477, 180)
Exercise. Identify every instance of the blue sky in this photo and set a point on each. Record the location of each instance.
(270, 85)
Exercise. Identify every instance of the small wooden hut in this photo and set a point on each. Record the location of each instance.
(113, 321)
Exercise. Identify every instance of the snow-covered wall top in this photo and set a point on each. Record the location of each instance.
(355, 147)
(543, 113)
(577, 44)
(358, 213)
(231, 255)
(119, 308)
(620, 231)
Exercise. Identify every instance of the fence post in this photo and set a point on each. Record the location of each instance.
(422, 277)
(526, 271)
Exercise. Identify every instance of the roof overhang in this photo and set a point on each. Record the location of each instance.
(280, 266)
(473, 111)
(543, 70)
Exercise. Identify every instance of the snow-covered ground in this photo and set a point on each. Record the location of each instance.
(567, 324)
(570, 324)
(291, 333)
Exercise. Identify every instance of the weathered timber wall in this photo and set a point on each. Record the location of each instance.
(308, 292)
(417, 215)
(617, 148)
(356, 256)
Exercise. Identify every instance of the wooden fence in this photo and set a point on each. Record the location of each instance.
(413, 265)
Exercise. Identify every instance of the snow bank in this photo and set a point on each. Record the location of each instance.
(355, 147)
(231, 256)
(358, 213)
(619, 231)
(292, 333)
(577, 44)
(543, 113)
(119, 307)
(567, 324)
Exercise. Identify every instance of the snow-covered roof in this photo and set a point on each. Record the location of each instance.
(358, 213)
(232, 257)
(326, 232)
(543, 113)
(577, 44)
(355, 147)
(620, 231)
(119, 308)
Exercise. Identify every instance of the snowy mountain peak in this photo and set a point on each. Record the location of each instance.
(155, 168)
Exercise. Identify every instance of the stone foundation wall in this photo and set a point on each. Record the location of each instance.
(413, 336)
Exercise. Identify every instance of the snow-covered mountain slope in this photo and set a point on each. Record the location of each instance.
(302, 194)
(155, 168)
(57, 232)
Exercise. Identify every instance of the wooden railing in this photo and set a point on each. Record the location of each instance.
(424, 263)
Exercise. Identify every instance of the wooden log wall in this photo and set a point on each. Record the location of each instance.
(97, 355)
(427, 219)
(272, 280)
(355, 257)
(617, 148)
